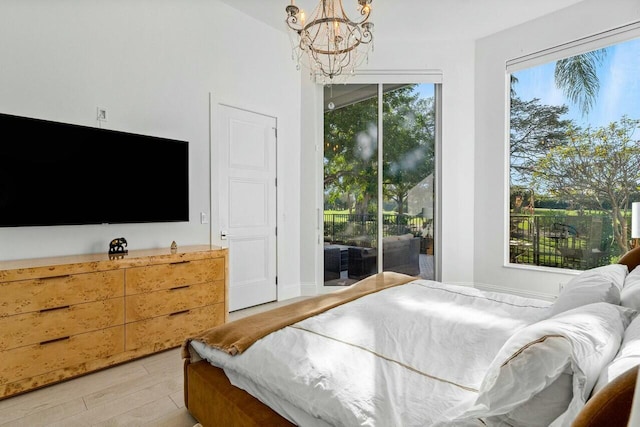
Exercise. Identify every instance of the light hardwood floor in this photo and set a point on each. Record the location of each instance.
(144, 392)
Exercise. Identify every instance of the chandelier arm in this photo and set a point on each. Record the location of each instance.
(293, 24)
(365, 12)
(292, 17)
(367, 34)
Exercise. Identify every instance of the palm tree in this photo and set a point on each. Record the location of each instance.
(514, 80)
(578, 78)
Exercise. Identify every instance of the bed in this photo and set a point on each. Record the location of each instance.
(394, 350)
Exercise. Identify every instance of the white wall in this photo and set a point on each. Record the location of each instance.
(455, 60)
(581, 20)
(152, 64)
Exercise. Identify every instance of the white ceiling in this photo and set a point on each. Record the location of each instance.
(421, 19)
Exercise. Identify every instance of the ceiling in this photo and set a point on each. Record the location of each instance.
(343, 95)
(421, 19)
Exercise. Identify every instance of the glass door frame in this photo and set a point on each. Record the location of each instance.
(379, 79)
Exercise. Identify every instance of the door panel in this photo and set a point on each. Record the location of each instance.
(350, 183)
(409, 157)
(247, 176)
(248, 203)
(252, 270)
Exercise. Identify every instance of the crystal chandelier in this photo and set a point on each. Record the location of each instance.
(333, 44)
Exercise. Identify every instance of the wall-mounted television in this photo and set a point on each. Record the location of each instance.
(62, 174)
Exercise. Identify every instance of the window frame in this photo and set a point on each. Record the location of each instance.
(551, 54)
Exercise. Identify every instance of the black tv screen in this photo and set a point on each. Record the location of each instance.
(61, 174)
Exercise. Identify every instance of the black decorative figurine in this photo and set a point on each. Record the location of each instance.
(116, 247)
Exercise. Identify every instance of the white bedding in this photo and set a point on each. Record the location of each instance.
(410, 355)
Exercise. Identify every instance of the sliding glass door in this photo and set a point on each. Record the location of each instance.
(408, 179)
(379, 164)
(350, 183)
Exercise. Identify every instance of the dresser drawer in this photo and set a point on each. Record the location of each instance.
(33, 360)
(26, 296)
(39, 326)
(171, 330)
(166, 276)
(179, 298)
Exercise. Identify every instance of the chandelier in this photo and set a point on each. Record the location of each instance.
(333, 44)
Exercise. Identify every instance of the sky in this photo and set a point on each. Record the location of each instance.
(426, 90)
(619, 92)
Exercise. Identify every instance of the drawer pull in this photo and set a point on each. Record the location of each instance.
(179, 312)
(177, 288)
(54, 308)
(54, 340)
(179, 262)
(62, 276)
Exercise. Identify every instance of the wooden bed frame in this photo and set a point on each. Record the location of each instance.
(213, 401)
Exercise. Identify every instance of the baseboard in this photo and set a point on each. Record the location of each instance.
(308, 289)
(288, 292)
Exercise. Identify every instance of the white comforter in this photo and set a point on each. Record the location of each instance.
(404, 356)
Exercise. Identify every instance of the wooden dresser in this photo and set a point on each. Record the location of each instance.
(65, 316)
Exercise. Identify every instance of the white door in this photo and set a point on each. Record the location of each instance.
(247, 177)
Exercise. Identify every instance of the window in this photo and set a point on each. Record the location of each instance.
(378, 185)
(574, 155)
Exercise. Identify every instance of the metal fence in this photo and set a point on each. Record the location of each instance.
(576, 242)
(567, 241)
(362, 230)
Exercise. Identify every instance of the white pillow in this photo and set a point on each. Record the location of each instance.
(633, 277)
(543, 408)
(628, 356)
(578, 342)
(615, 273)
(601, 284)
(630, 294)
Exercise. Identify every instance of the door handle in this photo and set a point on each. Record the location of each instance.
(223, 235)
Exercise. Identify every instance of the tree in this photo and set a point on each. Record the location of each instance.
(596, 168)
(409, 150)
(535, 129)
(350, 154)
(577, 76)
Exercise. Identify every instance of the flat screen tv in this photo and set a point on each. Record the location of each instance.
(61, 174)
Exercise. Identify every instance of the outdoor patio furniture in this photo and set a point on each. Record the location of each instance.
(331, 263)
(362, 262)
(344, 255)
(399, 253)
(518, 248)
(581, 250)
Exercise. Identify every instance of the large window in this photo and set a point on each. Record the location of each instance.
(378, 184)
(574, 158)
